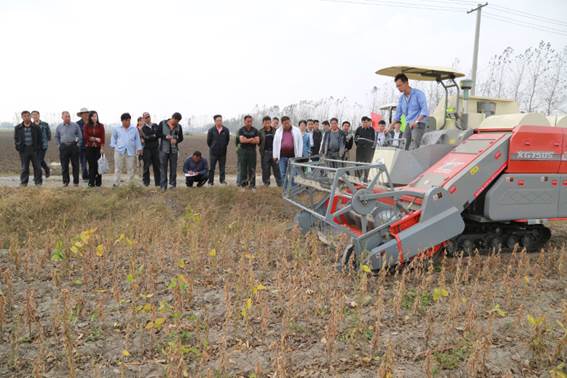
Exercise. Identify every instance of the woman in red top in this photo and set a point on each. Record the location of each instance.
(93, 133)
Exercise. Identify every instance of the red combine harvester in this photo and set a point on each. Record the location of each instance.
(496, 189)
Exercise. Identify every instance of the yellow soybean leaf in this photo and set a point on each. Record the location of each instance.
(99, 250)
(499, 311)
(213, 252)
(258, 288)
(159, 322)
(120, 238)
(535, 321)
(74, 249)
(181, 263)
(149, 325)
(365, 268)
(439, 293)
(125, 353)
(246, 307)
(147, 307)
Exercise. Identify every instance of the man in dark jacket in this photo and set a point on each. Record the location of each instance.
(196, 170)
(84, 114)
(28, 141)
(317, 138)
(218, 139)
(268, 163)
(170, 134)
(150, 153)
(333, 144)
(45, 139)
(349, 139)
(364, 138)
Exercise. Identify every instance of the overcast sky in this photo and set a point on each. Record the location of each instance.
(224, 56)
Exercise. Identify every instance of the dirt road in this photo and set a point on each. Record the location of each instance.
(108, 180)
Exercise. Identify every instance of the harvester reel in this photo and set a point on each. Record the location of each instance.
(361, 205)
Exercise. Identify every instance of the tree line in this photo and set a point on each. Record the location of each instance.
(536, 78)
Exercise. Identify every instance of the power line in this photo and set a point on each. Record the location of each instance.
(398, 4)
(528, 15)
(455, 6)
(442, 4)
(524, 24)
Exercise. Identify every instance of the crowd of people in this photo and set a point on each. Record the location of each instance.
(156, 145)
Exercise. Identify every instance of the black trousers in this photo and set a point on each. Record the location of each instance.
(364, 155)
(151, 158)
(168, 160)
(92, 155)
(27, 156)
(213, 159)
(333, 156)
(69, 153)
(84, 165)
(41, 158)
(248, 167)
(269, 167)
(199, 179)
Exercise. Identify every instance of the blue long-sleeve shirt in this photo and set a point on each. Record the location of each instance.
(307, 143)
(126, 140)
(190, 166)
(412, 106)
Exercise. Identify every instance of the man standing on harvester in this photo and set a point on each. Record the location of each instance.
(411, 112)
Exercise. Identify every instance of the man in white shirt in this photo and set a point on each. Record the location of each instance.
(381, 134)
(396, 137)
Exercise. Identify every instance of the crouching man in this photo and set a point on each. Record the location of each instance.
(196, 170)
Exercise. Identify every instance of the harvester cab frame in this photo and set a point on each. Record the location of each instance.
(443, 76)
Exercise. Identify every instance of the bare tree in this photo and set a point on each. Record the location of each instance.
(517, 77)
(485, 86)
(555, 82)
(538, 64)
(504, 61)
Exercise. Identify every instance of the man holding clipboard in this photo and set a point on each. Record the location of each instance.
(196, 170)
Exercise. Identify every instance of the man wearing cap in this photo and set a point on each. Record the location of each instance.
(84, 114)
(149, 133)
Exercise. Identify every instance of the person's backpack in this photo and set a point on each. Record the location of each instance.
(102, 164)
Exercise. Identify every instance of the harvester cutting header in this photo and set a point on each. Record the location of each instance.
(481, 179)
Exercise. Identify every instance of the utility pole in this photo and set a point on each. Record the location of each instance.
(478, 10)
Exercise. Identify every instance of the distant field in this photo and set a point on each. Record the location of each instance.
(10, 161)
